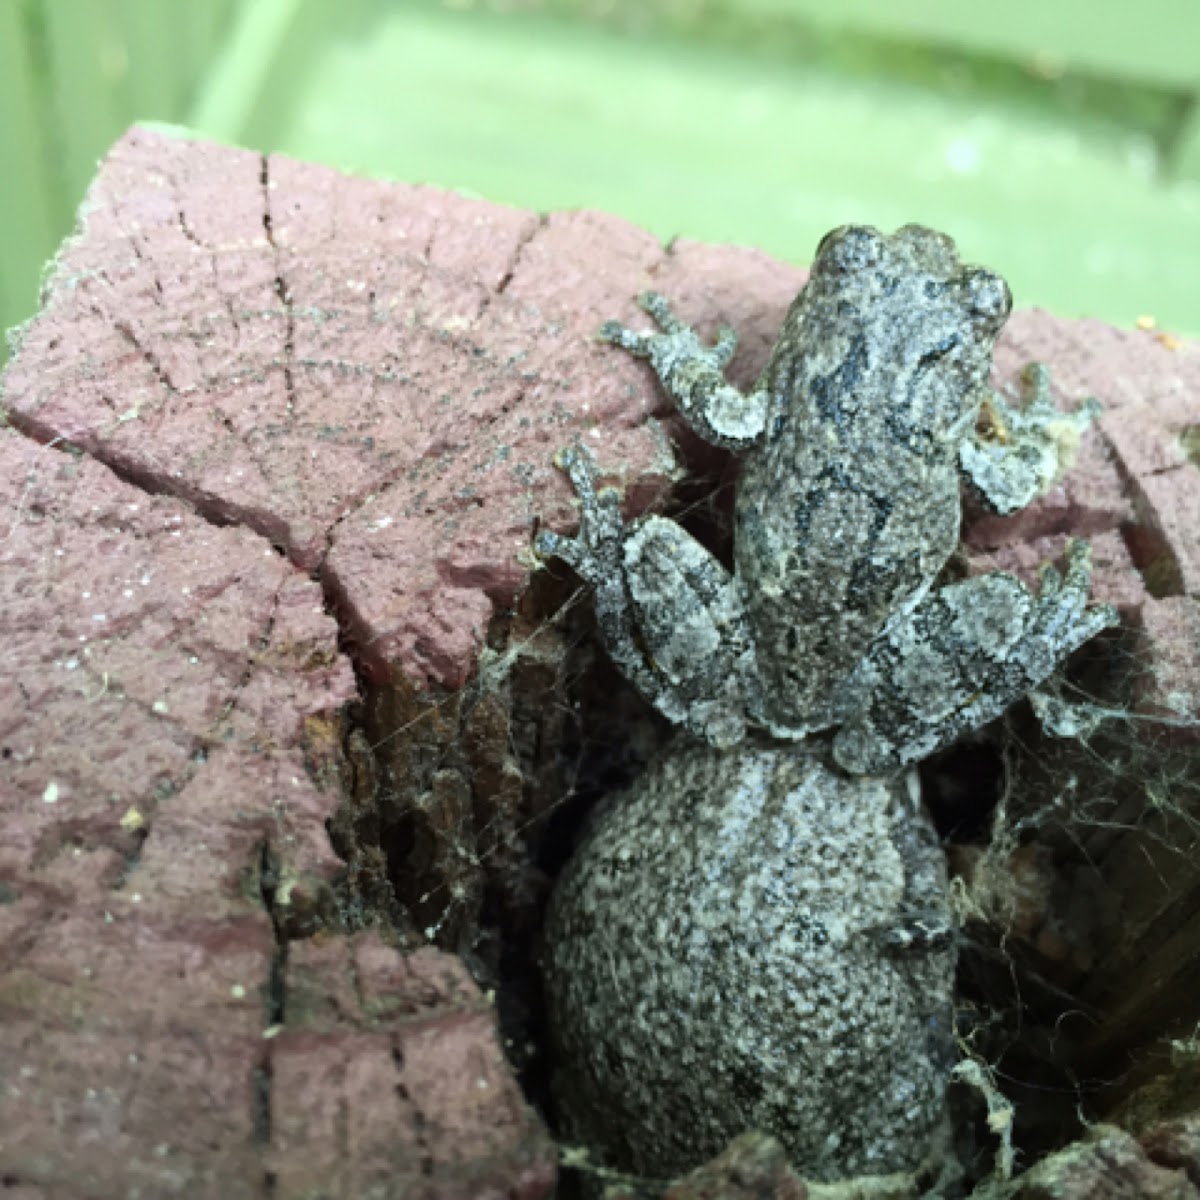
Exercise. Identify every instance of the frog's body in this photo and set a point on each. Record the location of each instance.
(848, 506)
(755, 936)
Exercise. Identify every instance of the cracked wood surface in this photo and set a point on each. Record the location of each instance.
(262, 401)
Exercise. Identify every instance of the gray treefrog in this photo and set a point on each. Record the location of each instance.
(757, 933)
(848, 507)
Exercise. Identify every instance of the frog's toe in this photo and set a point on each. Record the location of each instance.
(617, 334)
(551, 545)
(579, 463)
(725, 345)
(655, 303)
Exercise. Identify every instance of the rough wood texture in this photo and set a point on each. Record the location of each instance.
(263, 401)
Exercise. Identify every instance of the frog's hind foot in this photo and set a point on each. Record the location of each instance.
(961, 658)
(594, 553)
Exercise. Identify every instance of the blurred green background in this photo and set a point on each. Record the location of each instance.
(1058, 142)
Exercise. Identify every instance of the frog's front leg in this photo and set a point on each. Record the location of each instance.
(1020, 451)
(694, 376)
(960, 658)
(669, 614)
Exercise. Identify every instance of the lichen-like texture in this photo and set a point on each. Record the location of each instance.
(757, 935)
(755, 941)
(848, 507)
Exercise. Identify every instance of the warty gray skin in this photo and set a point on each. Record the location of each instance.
(757, 933)
(854, 439)
(752, 940)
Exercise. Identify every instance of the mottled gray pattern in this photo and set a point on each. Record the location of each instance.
(962, 658)
(757, 934)
(752, 940)
(847, 508)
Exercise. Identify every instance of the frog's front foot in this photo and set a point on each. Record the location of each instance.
(694, 375)
(1062, 620)
(677, 338)
(1021, 450)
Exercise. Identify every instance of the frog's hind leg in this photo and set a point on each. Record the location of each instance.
(670, 615)
(961, 658)
(595, 554)
(1021, 450)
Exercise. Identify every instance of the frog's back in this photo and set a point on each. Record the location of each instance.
(850, 507)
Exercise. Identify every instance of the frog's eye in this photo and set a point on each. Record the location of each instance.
(987, 295)
(850, 248)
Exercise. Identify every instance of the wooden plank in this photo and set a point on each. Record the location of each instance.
(201, 30)
(717, 144)
(30, 210)
(170, 48)
(73, 75)
(1185, 153)
(263, 65)
(85, 56)
(157, 51)
(1153, 41)
(237, 78)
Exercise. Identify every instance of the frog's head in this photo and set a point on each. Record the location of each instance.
(925, 322)
(859, 262)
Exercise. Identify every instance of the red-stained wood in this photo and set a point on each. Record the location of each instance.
(278, 441)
